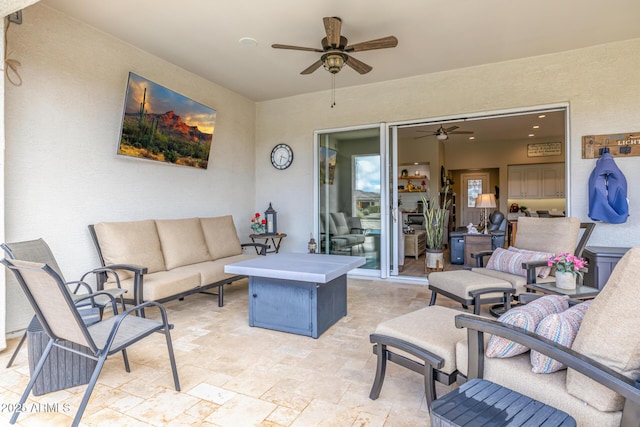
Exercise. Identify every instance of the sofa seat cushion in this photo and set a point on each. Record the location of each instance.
(425, 329)
(133, 242)
(213, 271)
(182, 242)
(164, 284)
(517, 282)
(610, 334)
(515, 374)
(221, 236)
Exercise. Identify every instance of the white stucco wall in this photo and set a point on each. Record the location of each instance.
(62, 129)
(600, 84)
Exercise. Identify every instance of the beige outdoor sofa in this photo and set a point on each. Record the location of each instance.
(161, 260)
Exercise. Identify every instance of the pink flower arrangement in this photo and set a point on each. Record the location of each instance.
(258, 225)
(565, 262)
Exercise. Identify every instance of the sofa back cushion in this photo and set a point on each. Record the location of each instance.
(132, 242)
(341, 224)
(182, 242)
(221, 236)
(610, 334)
(548, 234)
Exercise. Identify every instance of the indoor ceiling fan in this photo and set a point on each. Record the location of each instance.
(336, 52)
(443, 133)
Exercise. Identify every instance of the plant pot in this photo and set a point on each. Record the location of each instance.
(435, 259)
(565, 280)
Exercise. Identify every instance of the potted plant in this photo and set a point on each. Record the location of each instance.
(568, 268)
(435, 221)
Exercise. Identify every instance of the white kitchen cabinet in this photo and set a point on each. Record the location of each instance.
(540, 181)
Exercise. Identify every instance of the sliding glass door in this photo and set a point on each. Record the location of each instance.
(348, 185)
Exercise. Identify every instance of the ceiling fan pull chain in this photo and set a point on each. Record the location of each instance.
(333, 90)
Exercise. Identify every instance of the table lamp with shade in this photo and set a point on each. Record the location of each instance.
(485, 201)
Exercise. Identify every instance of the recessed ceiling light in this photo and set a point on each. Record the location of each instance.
(416, 163)
(531, 134)
(472, 137)
(248, 42)
(542, 116)
(536, 127)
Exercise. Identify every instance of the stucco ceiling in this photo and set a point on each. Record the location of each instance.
(202, 36)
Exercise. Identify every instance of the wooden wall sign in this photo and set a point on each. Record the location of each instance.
(542, 149)
(619, 145)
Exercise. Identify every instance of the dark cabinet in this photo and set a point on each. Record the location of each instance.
(601, 262)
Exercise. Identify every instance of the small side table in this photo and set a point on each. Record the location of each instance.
(481, 402)
(549, 288)
(276, 239)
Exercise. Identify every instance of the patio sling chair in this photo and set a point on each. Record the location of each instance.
(38, 251)
(58, 314)
(508, 271)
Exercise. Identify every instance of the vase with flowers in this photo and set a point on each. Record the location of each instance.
(258, 225)
(568, 268)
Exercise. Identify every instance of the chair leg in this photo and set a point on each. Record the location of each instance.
(381, 369)
(429, 385)
(17, 350)
(32, 381)
(126, 360)
(172, 359)
(89, 390)
(434, 294)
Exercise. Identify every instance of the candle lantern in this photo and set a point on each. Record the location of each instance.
(312, 245)
(272, 220)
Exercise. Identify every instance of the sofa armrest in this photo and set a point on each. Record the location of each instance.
(261, 248)
(138, 274)
(478, 326)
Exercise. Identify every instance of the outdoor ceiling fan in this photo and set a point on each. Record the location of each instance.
(336, 50)
(443, 133)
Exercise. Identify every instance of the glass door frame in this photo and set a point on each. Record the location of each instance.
(384, 238)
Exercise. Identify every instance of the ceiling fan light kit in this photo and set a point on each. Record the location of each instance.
(335, 50)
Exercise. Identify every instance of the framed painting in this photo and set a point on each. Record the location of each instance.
(328, 158)
(162, 125)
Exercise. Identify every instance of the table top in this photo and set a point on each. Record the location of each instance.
(580, 292)
(317, 268)
(481, 402)
(267, 236)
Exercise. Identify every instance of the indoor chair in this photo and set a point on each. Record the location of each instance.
(499, 282)
(60, 318)
(38, 251)
(497, 227)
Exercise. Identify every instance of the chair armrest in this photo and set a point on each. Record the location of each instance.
(429, 358)
(261, 246)
(94, 295)
(479, 257)
(138, 278)
(478, 326)
(530, 267)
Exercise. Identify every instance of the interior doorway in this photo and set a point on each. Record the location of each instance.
(493, 142)
(473, 184)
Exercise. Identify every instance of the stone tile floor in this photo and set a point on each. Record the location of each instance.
(235, 375)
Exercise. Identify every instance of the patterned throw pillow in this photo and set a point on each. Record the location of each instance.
(526, 317)
(560, 328)
(542, 272)
(511, 261)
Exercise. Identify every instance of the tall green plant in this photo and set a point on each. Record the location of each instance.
(434, 219)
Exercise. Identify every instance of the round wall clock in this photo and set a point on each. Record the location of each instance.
(281, 156)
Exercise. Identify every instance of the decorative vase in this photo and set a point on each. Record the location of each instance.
(435, 259)
(565, 280)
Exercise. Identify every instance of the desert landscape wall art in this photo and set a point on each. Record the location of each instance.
(162, 125)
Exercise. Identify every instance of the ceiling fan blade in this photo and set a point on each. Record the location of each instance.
(357, 65)
(451, 129)
(286, 46)
(382, 43)
(333, 26)
(312, 67)
(423, 136)
(462, 132)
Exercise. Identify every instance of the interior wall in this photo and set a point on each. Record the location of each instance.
(62, 129)
(599, 83)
